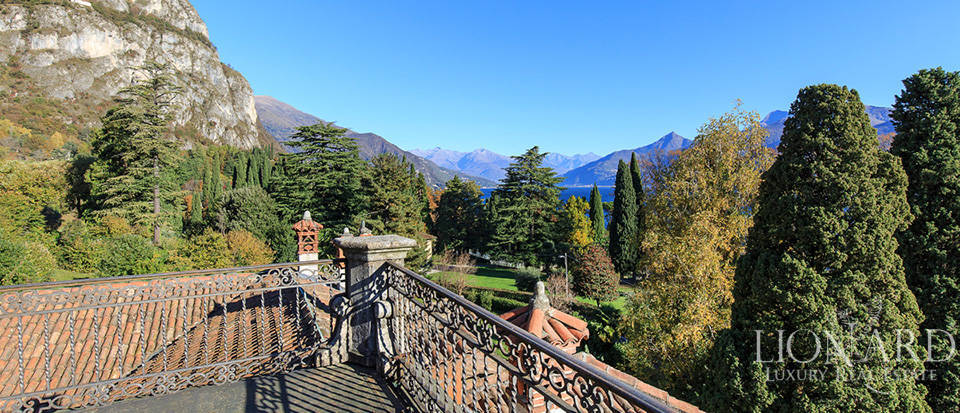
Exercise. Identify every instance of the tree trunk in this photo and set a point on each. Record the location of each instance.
(156, 202)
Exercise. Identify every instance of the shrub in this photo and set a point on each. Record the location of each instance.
(501, 305)
(485, 299)
(560, 291)
(79, 250)
(205, 251)
(250, 209)
(129, 254)
(24, 261)
(594, 276)
(526, 279)
(453, 281)
(247, 249)
(453, 261)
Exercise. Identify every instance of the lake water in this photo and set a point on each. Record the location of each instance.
(606, 193)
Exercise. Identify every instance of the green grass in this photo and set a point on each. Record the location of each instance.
(503, 279)
(499, 278)
(66, 275)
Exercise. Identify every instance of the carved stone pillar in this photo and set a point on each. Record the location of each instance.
(366, 259)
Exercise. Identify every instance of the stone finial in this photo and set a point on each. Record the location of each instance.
(346, 232)
(306, 216)
(364, 231)
(540, 299)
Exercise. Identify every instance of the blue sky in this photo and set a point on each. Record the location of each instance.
(571, 77)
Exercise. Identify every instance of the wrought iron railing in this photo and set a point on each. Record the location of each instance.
(447, 354)
(89, 343)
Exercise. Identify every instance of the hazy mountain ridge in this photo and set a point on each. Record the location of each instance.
(879, 119)
(281, 120)
(490, 165)
(603, 171)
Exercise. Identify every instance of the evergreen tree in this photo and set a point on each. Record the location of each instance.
(637, 178)
(325, 176)
(396, 202)
(195, 220)
(598, 221)
(253, 168)
(927, 119)
(133, 176)
(459, 211)
(624, 249)
(206, 188)
(266, 167)
(821, 262)
(528, 199)
(240, 171)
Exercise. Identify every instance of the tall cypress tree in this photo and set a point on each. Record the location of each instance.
(597, 219)
(927, 118)
(637, 178)
(623, 225)
(240, 172)
(821, 262)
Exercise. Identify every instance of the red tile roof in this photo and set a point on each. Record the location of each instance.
(552, 325)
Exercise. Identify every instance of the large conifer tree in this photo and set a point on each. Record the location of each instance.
(927, 118)
(325, 176)
(821, 261)
(526, 205)
(624, 249)
(133, 175)
(459, 213)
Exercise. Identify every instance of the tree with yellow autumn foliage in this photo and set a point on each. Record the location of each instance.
(697, 217)
(576, 225)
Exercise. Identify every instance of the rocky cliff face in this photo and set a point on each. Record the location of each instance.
(78, 54)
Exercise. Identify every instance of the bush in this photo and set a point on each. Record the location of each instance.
(78, 250)
(205, 251)
(129, 254)
(24, 261)
(453, 281)
(560, 292)
(526, 279)
(485, 299)
(453, 261)
(501, 305)
(250, 209)
(247, 249)
(594, 276)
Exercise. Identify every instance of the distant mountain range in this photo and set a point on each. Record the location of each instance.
(490, 165)
(281, 120)
(603, 171)
(879, 118)
(487, 168)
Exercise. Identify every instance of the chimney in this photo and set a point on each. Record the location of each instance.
(308, 244)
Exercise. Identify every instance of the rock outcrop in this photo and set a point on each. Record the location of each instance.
(79, 53)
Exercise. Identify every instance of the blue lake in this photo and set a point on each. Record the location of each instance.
(606, 193)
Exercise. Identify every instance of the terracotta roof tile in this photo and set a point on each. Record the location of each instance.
(550, 324)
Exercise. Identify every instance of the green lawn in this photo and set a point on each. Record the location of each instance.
(486, 277)
(503, 279)
(65, 275)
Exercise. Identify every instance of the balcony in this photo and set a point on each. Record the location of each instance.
(358, 334)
